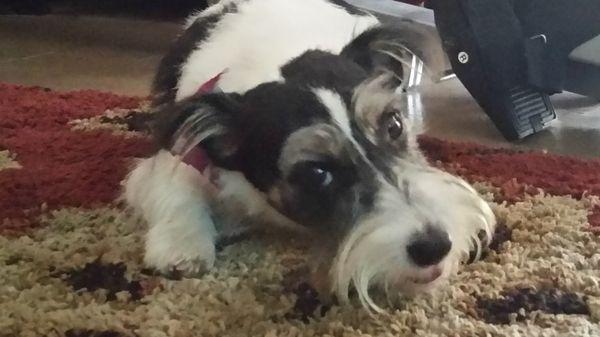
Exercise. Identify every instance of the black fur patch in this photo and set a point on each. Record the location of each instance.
(259, 123)
(271, 112)
(348, 7)
(216, 109)
(321, 69)
(169, 69)
(364, 51)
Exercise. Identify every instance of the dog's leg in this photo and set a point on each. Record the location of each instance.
(240, 206)
(172, 197)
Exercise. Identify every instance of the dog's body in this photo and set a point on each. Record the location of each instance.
(306, 129)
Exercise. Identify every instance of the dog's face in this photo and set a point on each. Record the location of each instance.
(331, 147)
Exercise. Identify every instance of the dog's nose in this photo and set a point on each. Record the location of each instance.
(429, 248)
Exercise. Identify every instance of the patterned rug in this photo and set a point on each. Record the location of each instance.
(70, 257)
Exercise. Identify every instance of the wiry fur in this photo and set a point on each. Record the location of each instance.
(367, 254)
(309, 132)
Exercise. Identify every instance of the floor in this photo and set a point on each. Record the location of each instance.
(120, 55)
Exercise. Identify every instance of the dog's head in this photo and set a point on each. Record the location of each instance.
(332, 148)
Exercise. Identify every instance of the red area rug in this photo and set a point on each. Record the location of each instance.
(58, 166)
(61, 165)
(70, 262)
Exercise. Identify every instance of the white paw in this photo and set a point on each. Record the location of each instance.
(191, 258)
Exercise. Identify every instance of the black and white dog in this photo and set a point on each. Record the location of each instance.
(287, 112)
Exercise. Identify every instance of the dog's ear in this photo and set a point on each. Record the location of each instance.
(207, 120)
(393, 48)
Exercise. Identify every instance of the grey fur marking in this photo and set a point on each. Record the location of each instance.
(406, 191)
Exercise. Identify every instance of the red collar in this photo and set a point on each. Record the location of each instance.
(210, 85)
(197, 156)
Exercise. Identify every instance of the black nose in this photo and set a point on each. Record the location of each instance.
(430, 247)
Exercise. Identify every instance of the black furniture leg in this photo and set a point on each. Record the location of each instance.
(485, 45)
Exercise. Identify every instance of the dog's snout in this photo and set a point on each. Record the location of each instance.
(429, 248)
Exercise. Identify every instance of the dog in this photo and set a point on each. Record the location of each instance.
(291, 113)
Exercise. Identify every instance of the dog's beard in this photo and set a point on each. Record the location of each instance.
(374, 254)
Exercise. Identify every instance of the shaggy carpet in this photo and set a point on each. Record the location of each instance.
(70, 258)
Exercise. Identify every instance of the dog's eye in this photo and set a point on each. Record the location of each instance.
(311, 175)
(318, 176)
(395, 126)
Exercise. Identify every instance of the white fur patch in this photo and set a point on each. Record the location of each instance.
(337, 109)
(261, 36)
(339, 113)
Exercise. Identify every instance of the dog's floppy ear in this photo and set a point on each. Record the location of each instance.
(208, 120)
(391, 47)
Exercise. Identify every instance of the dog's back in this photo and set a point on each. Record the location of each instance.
(247, 41)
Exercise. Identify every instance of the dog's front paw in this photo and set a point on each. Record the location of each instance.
(189, 258)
